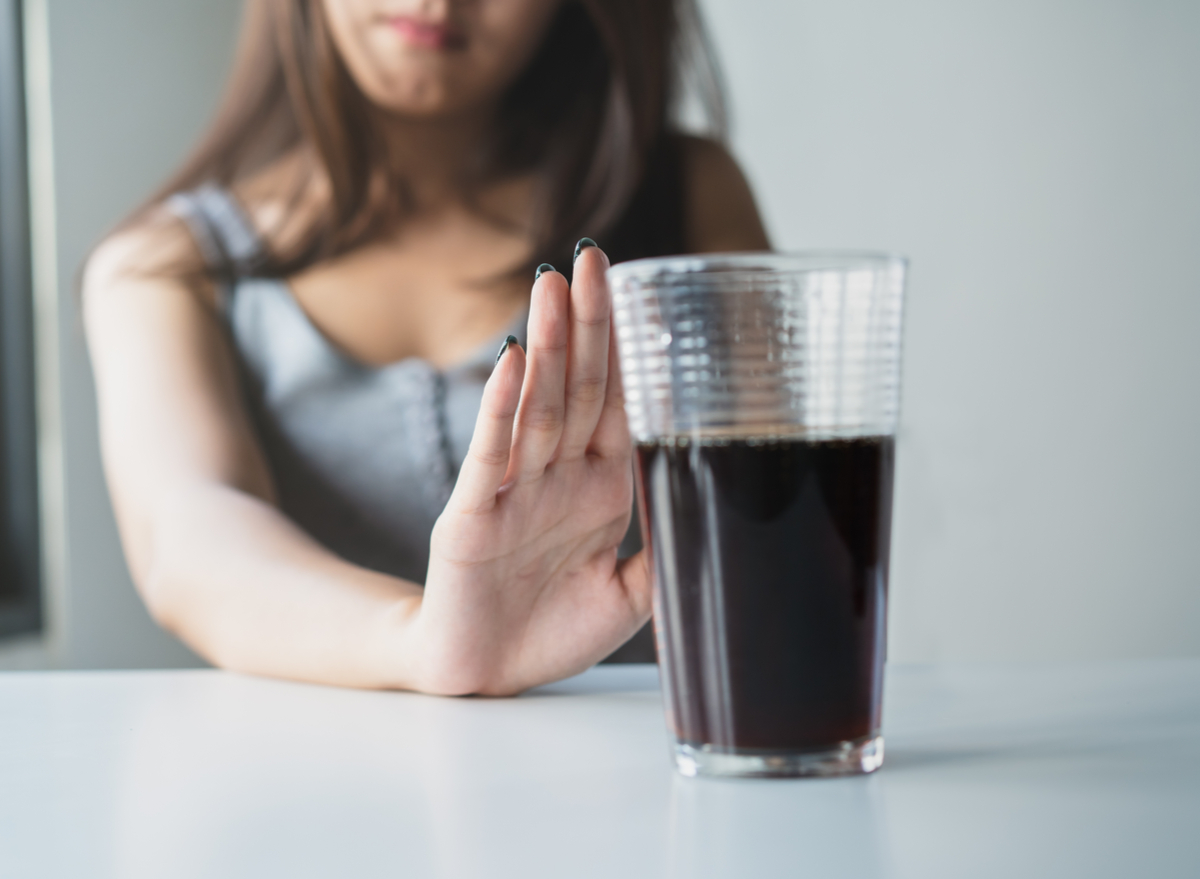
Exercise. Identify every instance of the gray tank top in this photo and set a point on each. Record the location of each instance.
(363, 457)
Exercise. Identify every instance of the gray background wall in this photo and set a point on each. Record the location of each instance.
(1036, 160)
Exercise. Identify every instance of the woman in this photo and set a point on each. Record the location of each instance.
(317, 472)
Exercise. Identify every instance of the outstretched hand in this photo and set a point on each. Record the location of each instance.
(524, 585)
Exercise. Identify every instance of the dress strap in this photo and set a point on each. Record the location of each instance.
(227, 240)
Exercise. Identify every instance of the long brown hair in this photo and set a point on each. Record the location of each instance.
(586, 115)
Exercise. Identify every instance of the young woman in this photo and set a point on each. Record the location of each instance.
(320, 468)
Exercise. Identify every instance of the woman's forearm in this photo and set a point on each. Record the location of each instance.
(215, 560)
(248, 590)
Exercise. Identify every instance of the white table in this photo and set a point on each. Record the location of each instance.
(1013, 771)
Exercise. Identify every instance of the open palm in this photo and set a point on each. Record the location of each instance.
(524, 585)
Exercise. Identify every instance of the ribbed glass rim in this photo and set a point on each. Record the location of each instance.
(759, 261)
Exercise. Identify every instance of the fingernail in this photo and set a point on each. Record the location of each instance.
(544, 267)
(511, 340)
(583, 242)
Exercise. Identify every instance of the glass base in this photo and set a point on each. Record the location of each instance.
(845, 758)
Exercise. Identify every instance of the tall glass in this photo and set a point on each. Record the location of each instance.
(762, 392)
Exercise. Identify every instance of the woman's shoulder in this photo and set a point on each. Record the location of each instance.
(155, 247)
(276, 203)
(720, 213)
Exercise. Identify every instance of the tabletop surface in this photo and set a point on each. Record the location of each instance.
(1018, 770)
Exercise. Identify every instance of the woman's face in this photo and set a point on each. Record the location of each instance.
(436, 57)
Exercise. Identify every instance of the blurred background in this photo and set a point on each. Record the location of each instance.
(1036, 159)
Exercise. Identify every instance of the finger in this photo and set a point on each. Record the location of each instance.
(540, 415)
(611, 437)
(486, 465)
(587, 366)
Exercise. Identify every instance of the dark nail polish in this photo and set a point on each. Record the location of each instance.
(583, 242)
(544, 267)
(511, 340)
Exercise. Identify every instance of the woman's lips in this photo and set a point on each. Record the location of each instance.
(427, 34)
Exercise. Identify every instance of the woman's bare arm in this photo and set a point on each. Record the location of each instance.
(213, 558)
(524, 583)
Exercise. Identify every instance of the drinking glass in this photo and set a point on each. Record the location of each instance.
(762, 392)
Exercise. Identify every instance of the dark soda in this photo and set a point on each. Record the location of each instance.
(771, 565)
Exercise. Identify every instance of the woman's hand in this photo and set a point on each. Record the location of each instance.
(524, 585)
